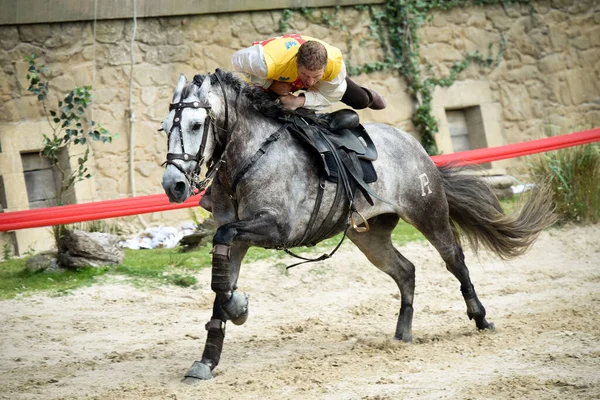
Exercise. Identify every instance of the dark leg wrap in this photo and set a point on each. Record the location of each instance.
(202, 370)
(221, 279)
(213, 346)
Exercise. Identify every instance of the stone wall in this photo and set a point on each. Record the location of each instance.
(547, 82)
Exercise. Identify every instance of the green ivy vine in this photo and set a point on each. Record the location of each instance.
(395, 26)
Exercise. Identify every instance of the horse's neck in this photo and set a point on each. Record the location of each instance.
(248, 135)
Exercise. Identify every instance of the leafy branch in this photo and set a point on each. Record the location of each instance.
(69, 125)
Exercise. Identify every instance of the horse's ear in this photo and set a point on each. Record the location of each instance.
(179, 88)
(204, 89)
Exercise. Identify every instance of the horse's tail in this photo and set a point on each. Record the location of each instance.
(476, 213)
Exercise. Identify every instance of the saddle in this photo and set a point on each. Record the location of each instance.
(344, 147)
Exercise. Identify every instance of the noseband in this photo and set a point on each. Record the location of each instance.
(196, 184)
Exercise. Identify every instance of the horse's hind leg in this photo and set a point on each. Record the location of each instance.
(377, 246)
(436, 228)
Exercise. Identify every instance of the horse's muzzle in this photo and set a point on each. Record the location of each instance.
(177, 191)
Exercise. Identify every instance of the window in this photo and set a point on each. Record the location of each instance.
(3, 203)
(466, 129)
(43, 181)
(40, 180)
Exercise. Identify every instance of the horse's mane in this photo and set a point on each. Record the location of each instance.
(262, 101)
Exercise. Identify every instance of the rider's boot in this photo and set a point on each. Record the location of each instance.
(376, 102)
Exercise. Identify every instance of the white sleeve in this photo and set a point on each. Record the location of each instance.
(325, 93)
(251, 61)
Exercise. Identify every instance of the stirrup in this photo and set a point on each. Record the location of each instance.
(356, 226)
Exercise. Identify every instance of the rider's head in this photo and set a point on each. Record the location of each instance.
(311, 61)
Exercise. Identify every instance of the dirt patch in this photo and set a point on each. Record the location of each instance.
(324, 331)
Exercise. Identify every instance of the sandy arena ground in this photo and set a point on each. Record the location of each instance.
(324, 331)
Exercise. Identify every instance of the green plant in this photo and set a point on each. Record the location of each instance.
(69, 125)
(574, 175)
(6, 252)
(97, 226)
(182, 280)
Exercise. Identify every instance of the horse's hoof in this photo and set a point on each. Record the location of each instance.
(240, 319)
(405, 337)
(488, 326)
(236, 308)
(198, 372)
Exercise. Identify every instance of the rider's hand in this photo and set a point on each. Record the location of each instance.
(281, 88)
(291, 102)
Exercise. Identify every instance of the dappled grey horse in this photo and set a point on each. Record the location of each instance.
(265, 184)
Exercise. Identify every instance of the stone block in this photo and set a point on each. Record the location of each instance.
(515, 100)
(500, 21)
(582, 6)
(522, 74)
(82, 74)
(458, 16)
(20, 108)
(174, 54)
(430, 34)
(149, 95)
(221, 56)
(537, 90)
(264, 23)
(477, 18)
(440, 52)
(555, 16)
(580, 42)
(16, 197)
(146, 168)
(558, 37)
(9, 37)
(594, 36)
(150, 32)
(552, 63)
(580, 87)
(110, 31)
(198, 28)
(175, 38)
(34, 240)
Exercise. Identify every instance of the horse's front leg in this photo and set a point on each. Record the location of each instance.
(262, 230)
(202, 370)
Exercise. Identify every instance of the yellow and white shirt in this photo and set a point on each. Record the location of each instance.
(275, 60)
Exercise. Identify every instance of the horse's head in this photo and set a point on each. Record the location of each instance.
(190, 130)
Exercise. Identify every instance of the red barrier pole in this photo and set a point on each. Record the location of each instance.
(480, 156)
(96, 210)
(159, 202)
(61, 218)
(130, 203)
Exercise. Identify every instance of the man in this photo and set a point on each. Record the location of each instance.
(290, 63)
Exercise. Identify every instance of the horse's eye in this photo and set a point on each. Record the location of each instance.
(196, 126)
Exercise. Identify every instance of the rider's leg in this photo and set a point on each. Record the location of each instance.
(359, 97)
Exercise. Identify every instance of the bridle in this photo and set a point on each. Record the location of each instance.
(196, 183)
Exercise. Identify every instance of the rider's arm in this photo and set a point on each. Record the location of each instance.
(325, 93)
(251, 61)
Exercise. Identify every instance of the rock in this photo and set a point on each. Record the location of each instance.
(500, 181)
(77, 249)
(202, 236)
(41, 262)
